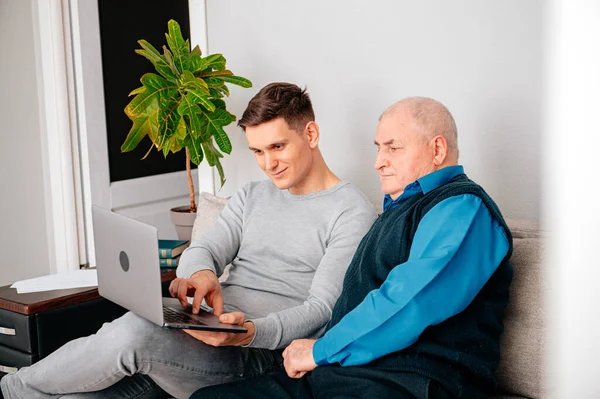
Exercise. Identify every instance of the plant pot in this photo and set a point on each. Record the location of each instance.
(183, 220)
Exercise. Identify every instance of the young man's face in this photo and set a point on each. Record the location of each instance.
(403, 154)
(282, 153)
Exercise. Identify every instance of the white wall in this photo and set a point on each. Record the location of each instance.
(482, 59)
(571, 211)
(23, 239)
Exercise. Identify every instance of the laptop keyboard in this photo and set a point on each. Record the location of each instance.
(173, 317)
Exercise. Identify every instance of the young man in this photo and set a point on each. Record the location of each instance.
(289, 240)
(420, 314)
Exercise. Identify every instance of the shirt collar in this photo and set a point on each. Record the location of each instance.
(425, 184)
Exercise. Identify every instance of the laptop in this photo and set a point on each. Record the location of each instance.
(128, 269)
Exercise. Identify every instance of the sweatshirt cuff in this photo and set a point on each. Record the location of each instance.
(194, 260)
(318, 352)
(266, 331)
(186, 271)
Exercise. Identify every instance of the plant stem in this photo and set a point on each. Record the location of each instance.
(188, 169)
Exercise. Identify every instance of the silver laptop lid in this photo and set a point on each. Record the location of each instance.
(127, 263)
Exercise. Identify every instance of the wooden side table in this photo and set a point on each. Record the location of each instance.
(34, 325)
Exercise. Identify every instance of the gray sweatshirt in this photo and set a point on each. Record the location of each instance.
(289, 254)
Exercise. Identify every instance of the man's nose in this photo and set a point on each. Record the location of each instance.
(380, 161)
(270, 161)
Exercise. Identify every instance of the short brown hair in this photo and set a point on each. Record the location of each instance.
(279, 100)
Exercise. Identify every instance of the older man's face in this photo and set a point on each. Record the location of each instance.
(403, 153)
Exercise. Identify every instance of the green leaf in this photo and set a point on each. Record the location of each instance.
(223, 141)
(203, 100)
(193, 125)
(178, 46)
(237, 80)
(168, 122)
(150, 52)
(209, 74)
(212, 123)
(214, 82)
(189, 80)
(135, 135)
(193, 98)
(176, 38)
(158, 84)
(137, 91)
(210, 156)
(155, 86)
(215, 93)
(140, 102)
(221, 173)
(215, 61)
(219, 91)
(219, 104)
(142, 125)
(180, 133)
(195, 147)
(170, 62)
(196, 63)
(166, 147)
(196, 50)
(155, 82)
(171, 145)
(159, 62)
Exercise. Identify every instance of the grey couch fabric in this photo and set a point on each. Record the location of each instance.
(521, 369)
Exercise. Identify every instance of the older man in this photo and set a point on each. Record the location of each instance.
(420, 314)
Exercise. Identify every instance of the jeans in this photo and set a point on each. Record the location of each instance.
(134, 358)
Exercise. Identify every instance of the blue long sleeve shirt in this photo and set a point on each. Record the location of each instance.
(456, 248)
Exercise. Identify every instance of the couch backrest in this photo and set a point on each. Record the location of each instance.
(522, 345)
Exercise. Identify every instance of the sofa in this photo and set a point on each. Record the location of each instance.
(522, 346)
(521, 370)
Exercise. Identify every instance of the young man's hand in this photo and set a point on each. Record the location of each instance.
(201, 285)
(224, 338)
(298, 358)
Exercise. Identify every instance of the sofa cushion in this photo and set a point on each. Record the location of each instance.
(522, 345)
(208, 208)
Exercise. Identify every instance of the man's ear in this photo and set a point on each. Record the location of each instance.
(312, 133)
(440, 150)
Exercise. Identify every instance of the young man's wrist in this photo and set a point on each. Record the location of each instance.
(250, 334)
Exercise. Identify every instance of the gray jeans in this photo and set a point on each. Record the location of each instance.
(134, 358)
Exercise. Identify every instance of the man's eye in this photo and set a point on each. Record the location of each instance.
(394, 148)
(257, 152)
(278, 146)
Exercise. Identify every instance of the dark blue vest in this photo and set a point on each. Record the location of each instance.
(460, 353)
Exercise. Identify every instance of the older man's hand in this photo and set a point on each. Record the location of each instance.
(298, 358)
(214, 338)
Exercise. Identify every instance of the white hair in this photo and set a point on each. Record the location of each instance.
(432, 117)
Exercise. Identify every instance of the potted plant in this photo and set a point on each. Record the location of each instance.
(181, 107)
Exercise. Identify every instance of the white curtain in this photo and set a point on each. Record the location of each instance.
(63, 179)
